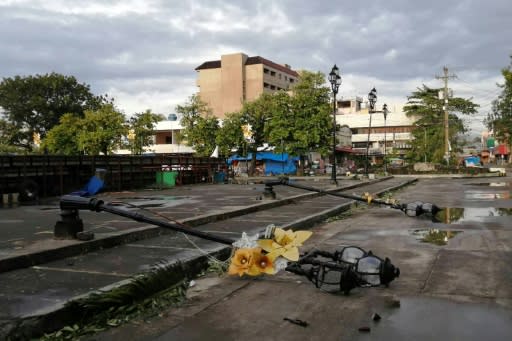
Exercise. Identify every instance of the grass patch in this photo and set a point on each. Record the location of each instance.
(145, 296)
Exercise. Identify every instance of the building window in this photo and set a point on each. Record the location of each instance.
(272, 73)
(265, 70)
(168, 140)
(292, 80)
(266, 85)
(272, 87)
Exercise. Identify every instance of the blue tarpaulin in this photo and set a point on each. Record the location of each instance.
(471, 161)
(274, 163)
(94, 185)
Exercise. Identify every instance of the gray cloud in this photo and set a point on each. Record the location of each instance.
(144, 52)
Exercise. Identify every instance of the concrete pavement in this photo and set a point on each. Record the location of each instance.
(458, 291)
(43, 289)
(39, 274)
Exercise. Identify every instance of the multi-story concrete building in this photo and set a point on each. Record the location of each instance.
(395, 130)
(227, 83)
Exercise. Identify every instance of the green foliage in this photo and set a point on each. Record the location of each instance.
(36, 104)
(141, 127)
(303, 121)
(230, 136)
(145, 296)
(256, 115)
(63, 138)
(200, 126)
(500, 118)
(425, 105)
(101, 130)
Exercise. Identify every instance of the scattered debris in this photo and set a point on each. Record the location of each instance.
(395, 302)
(85, 236)
(376, 317)
(364, 329)
(296, 321)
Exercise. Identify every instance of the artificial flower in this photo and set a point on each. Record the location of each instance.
(250, 261)
(262, 264)
(241, 262)
(285, 244)
(368, 197)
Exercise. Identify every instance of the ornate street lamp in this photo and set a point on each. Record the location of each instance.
(335, 80)
(385, 111)
(372, 99)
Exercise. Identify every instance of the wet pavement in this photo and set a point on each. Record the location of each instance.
(40, 274)
(467, 280)
(458, 291)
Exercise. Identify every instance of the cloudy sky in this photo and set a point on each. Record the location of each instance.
(143, 52)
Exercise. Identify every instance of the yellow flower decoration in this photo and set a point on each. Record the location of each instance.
(285, 244)
(262, 264)
(251, 262)
(368, 197)
(241, 262)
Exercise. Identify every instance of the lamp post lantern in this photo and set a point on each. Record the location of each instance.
(372, 99)
(335, 80)
(385, 112)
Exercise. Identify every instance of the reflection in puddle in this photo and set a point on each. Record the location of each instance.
(421, 318)
(434, 236)
(492, 184)
(451, 215)
(473, 195)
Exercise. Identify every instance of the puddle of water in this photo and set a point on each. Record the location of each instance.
(474, 195)
(453, 215)
(492, 184)
(437, 319)
(434, 236)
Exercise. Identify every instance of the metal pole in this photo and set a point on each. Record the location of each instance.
(385, 131)
(368, 142)
(334, 140)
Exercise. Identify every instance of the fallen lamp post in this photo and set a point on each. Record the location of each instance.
(340, 271)
(413, 209)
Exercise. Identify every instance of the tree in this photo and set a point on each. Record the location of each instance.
(200, 127)
(425, 105)
(230, 135)
(302, 122)
(63, 138)
(499, 120)
(256, 116)
(142, 130)
(102, 130)
(34, 104)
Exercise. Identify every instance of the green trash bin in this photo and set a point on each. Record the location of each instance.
(166, 179)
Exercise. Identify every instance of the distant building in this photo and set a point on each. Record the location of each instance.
(396, 131)
(167, 139)
(227, 83)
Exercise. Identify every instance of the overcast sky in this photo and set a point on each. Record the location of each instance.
(143, 52)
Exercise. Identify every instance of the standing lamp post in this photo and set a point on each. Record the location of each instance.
(372, 99)
(385, 112)
(335, 80)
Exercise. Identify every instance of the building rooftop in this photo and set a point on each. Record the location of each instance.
(215, 64)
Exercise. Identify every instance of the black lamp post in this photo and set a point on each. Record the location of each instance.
(372, 99)
(335, 80)
(385, 112)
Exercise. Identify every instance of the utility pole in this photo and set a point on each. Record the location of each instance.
(445, 78)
